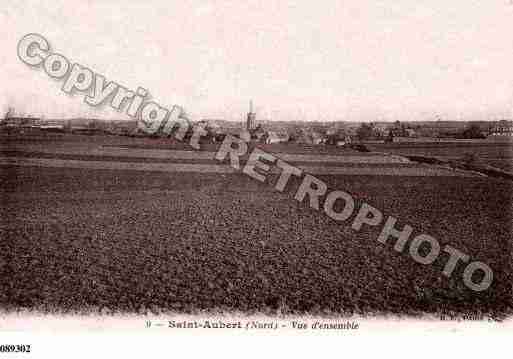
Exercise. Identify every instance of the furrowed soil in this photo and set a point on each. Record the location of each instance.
(99, 240)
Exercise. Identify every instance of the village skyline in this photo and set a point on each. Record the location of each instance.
(101, 114)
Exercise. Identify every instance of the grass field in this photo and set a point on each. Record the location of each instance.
(118, 240)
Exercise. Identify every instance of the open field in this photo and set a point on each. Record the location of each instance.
(497, 154)
(122, 240)
(131, 240)
(161, 143)
(101, 153)
(143, 154)
(165, 154)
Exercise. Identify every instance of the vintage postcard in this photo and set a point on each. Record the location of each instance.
(335, 169)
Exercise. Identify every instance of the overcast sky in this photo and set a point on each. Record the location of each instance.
(357, 60)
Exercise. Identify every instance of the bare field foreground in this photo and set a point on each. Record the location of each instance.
(76, 238)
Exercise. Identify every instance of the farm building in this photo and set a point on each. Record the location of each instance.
(502, 130)
(310, 136)
(13, 122)
(276, 137)
(53, 127)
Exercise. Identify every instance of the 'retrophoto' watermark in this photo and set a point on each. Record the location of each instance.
(152, 118)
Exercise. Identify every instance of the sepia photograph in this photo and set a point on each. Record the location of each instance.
(331, 168)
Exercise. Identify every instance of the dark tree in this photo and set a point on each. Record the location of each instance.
(365, 131)
(473, 131)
